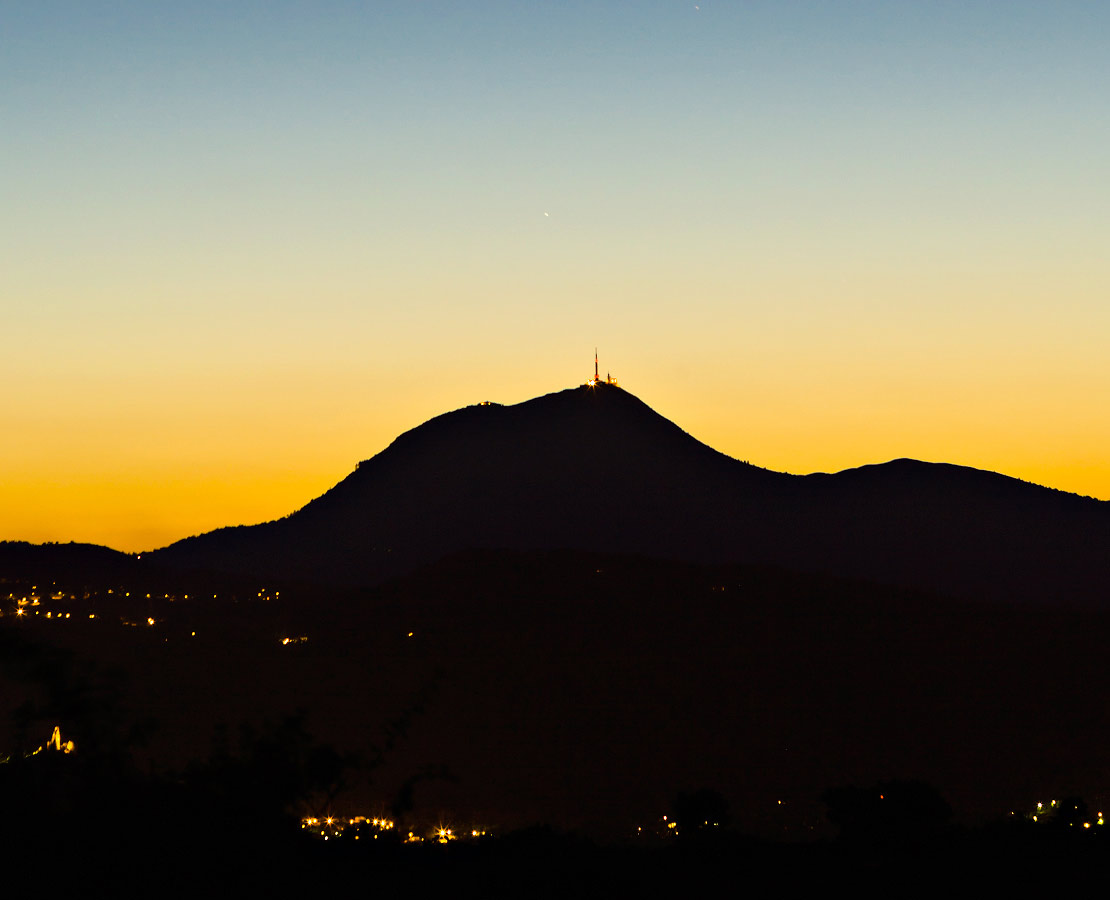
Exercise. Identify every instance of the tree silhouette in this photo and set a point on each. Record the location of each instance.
(277, 772)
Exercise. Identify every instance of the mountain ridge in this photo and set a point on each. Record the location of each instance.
(594, 467)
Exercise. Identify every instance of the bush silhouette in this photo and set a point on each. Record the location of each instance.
(890, 815)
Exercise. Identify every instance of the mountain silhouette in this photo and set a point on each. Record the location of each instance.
(594, 468)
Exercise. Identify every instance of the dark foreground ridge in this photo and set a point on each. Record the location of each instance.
(594, 468)
(827, 724)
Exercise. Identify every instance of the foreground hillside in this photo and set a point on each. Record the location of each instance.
(588, 691)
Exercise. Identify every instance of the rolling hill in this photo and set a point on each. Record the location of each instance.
(594, 468)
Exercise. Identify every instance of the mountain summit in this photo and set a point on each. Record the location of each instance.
(593, 467)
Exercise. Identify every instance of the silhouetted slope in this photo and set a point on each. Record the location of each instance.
(580, 468)
(576, 680)
(587, 690)
(597, 469)
(79, 562)
(959, 531)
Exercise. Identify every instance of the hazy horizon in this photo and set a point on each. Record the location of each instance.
(248, 245)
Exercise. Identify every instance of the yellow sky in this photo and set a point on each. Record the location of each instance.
(244, 250)
(138, 460)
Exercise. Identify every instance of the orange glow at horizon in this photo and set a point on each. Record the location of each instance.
(187, 468)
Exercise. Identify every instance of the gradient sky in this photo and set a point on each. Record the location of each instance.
(244, 245)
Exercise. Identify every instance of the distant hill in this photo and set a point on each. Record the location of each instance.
(594, 468)
(79, 562)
